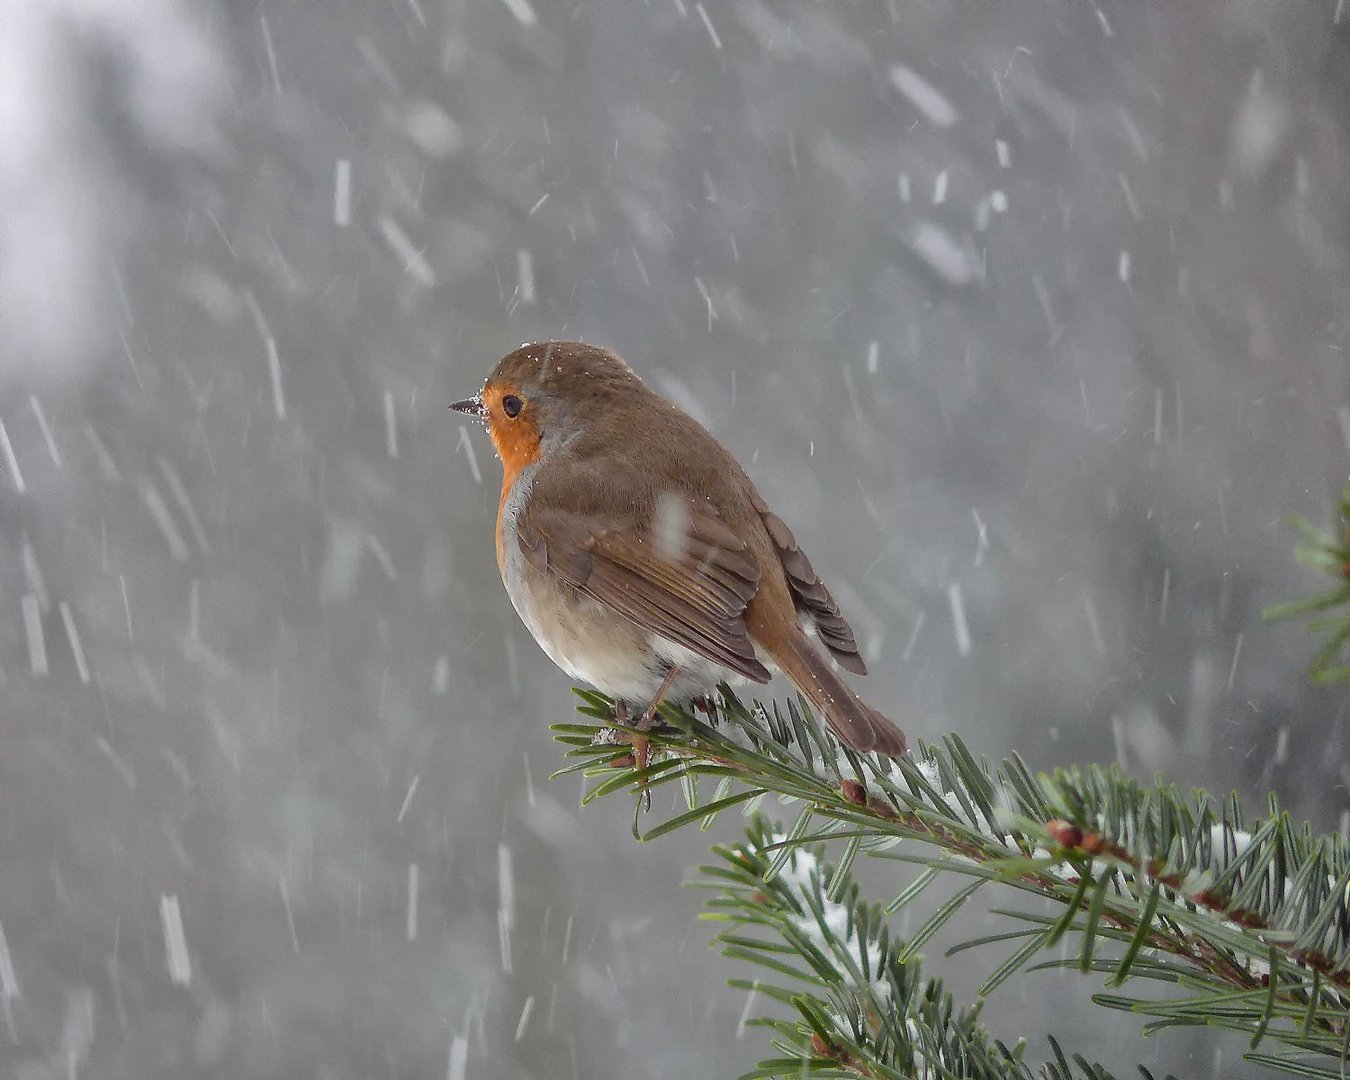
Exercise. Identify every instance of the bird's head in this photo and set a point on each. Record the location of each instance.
(542, 394)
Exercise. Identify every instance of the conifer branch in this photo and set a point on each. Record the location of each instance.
(1253, 926)
(862, 1006)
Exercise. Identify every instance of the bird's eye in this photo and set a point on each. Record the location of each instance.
(511, 405)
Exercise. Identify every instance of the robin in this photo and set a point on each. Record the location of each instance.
(639, 554)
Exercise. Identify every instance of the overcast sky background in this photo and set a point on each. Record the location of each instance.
(1040, 304)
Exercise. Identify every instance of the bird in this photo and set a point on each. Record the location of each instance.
(640, 555)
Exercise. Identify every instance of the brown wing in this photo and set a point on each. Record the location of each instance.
(692, 592)
(811, 596)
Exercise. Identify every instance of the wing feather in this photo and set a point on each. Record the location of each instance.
(812, 597)
(694, 595)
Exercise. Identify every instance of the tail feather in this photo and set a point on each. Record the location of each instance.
(856, 723)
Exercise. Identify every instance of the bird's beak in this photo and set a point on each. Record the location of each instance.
(472, 406)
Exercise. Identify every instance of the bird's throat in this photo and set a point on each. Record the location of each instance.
(518, 447)
(517, 444)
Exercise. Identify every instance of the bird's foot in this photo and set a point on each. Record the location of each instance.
(634, 735)
(641, 746)
(619, 732)
(642, 750)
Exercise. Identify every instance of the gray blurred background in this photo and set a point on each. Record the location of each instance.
(1037, 309)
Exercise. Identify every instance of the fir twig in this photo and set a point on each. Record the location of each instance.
(1254, 924)
(863, 1007)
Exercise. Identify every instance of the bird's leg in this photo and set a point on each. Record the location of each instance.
(641, 745)
(634, 734)
(649, 717)
(622, 732)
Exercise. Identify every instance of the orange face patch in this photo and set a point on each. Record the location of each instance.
(516, 439)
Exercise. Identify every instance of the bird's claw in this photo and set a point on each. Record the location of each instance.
(635, 736)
